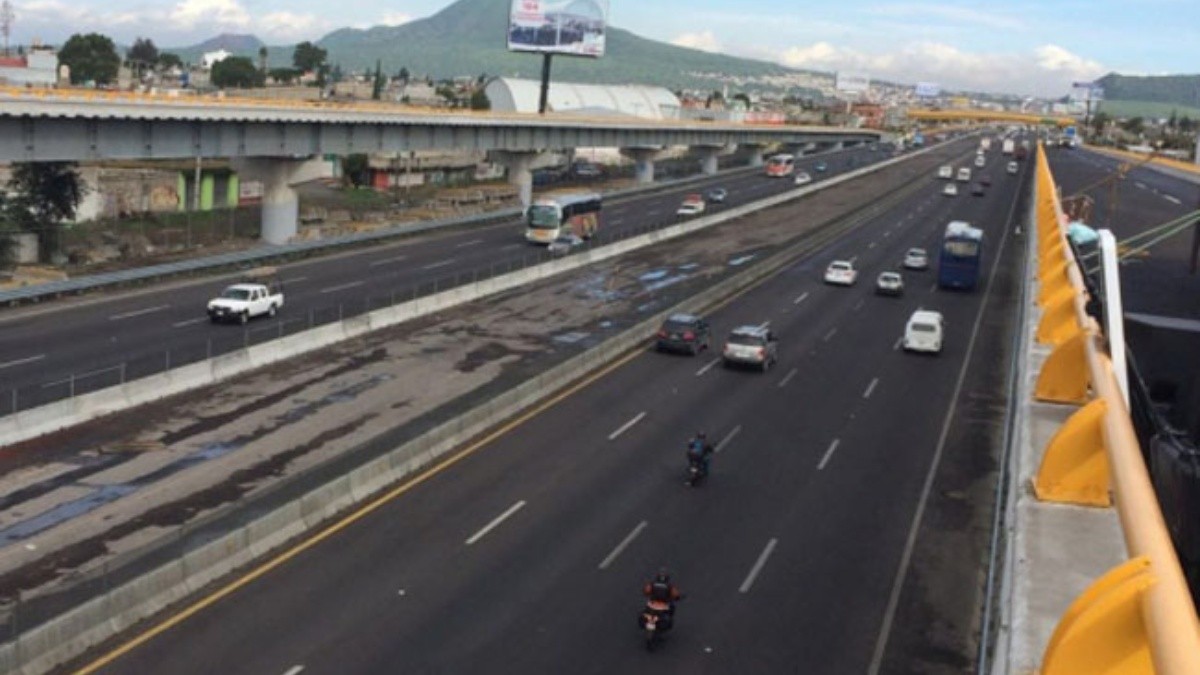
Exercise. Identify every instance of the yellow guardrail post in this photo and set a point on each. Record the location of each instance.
(1139, 617)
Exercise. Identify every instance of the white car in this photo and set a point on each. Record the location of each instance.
(693, 205)
(1013, 168)
(924, 332)
(802, 178)
(946, 172)
(841, 273)
(980, 162)
(951, 190)
(889, 283)
(916, 259)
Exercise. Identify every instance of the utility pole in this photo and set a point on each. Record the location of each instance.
(6, 22)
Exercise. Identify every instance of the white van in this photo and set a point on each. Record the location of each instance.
(946, 171)
(964, 175)
(924, 332)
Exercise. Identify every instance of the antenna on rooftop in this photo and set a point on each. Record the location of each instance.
(6, 22)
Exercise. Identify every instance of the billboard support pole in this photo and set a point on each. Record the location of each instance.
(545, 83)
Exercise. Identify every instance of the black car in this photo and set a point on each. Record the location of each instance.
(683, 333)
(821, 167)
(715, 195)
(977, 189)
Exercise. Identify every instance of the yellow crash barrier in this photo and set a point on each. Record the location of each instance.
(1059, 321)
(1103, 632)
(1064, 375)
(1075, 468)
(1055, 283)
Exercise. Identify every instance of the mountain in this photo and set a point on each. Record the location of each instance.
(469, 38)
(1180, 90)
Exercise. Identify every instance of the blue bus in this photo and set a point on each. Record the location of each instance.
(961, 256)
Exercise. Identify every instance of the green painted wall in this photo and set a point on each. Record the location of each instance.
(232, 191)
(206, 191)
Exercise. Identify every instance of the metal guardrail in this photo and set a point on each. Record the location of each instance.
(256, 256)
(1138, 617)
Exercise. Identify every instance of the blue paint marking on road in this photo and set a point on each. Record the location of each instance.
(64, 512)
(689, 267)
(598, 287)
(663, 283)
(737, 262)
(654, 275)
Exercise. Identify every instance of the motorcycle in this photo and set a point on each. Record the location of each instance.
(697, 471)
(655, 620)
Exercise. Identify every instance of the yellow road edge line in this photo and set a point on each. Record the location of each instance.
(348, 520)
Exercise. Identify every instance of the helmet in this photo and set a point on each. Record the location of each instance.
(701, 435)
(663, 576)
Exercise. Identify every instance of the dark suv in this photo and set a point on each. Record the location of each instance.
(683, 333)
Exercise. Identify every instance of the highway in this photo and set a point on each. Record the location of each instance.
(1161, 283)
(44, 354)
(798, 555)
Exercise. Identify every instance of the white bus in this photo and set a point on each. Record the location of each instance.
(781, 165)
(549, 216)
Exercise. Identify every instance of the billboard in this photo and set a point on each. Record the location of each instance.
(928, 90)
(1086, 91)
(574, 27)
(854, 83)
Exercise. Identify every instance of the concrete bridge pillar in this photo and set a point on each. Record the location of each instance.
(280, 204)
(644, 162)
(519, 165)
(754, 153)
(708, 158)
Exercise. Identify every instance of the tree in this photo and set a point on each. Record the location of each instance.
(744, 99)
(403, 74)
(236, 71)
(1134, 126)
(284, 75)
(43, 196)
(377, 84)
(355, 169)
(168, 61)
(480, 100)
(1099, 121)
(262, 59)
(91, 58)
(308, 57)
(143, 51)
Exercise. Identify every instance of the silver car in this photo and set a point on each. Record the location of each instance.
(564, 244)
(751, 346)
(916, 259)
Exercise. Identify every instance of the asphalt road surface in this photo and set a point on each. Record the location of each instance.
(48, 352)
(798, 555)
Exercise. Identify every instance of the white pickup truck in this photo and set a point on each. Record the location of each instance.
(259, 293)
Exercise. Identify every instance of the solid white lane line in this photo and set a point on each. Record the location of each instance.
(140, 312)
(21, 362)
(294, 670)
(625, 427)
(621, 546)
(870, 388)
(829, 453)
(189, 322)
(386, 261)
(473, 242)
(787, 378)
(1172, 199)
(707, 367)
(829, 335)
(800, 299)
(728, 437)
(335, 289)
(436, 265)
(496, 523)
(758, 565)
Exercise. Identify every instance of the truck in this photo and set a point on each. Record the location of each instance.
(260, 292)
(1009, 145)
(985, 144)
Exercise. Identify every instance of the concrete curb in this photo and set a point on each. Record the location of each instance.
(71, 634)
(59, 415)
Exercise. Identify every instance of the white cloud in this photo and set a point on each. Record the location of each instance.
(394, 19)
(704, 41)
(290, 27)
(959, 16)
(1047, 70)
(219, 14)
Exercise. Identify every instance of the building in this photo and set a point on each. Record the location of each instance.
(38, 68)
(513, 95)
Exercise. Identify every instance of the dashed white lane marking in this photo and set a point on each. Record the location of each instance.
(294, 670)
(189, 322)
(800, 299)
(707, 367)
(625, 427)
(787, 378)
(1140, 185)
(758, 565)
(871, 388)
(296, 280)
(616, 221)
(509, 247)
(853, 260)
(858, 305)
(436, 265)
(764, 325)
(139, 312)
(83, 376)
(728, 438)
(829, 335)
(21, 362)
(933, 287)
(386, 261)
(829, 454)
(335, 289)
(473, 242)
(621, 546)
(496, 522)
(899, 341)
(871, 245)
(1171, 198)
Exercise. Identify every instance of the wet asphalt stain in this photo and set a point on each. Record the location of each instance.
(492, 351)
(167, 515)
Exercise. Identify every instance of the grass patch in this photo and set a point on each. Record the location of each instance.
(1148, 109)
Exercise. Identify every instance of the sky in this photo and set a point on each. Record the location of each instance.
(1026, 47)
